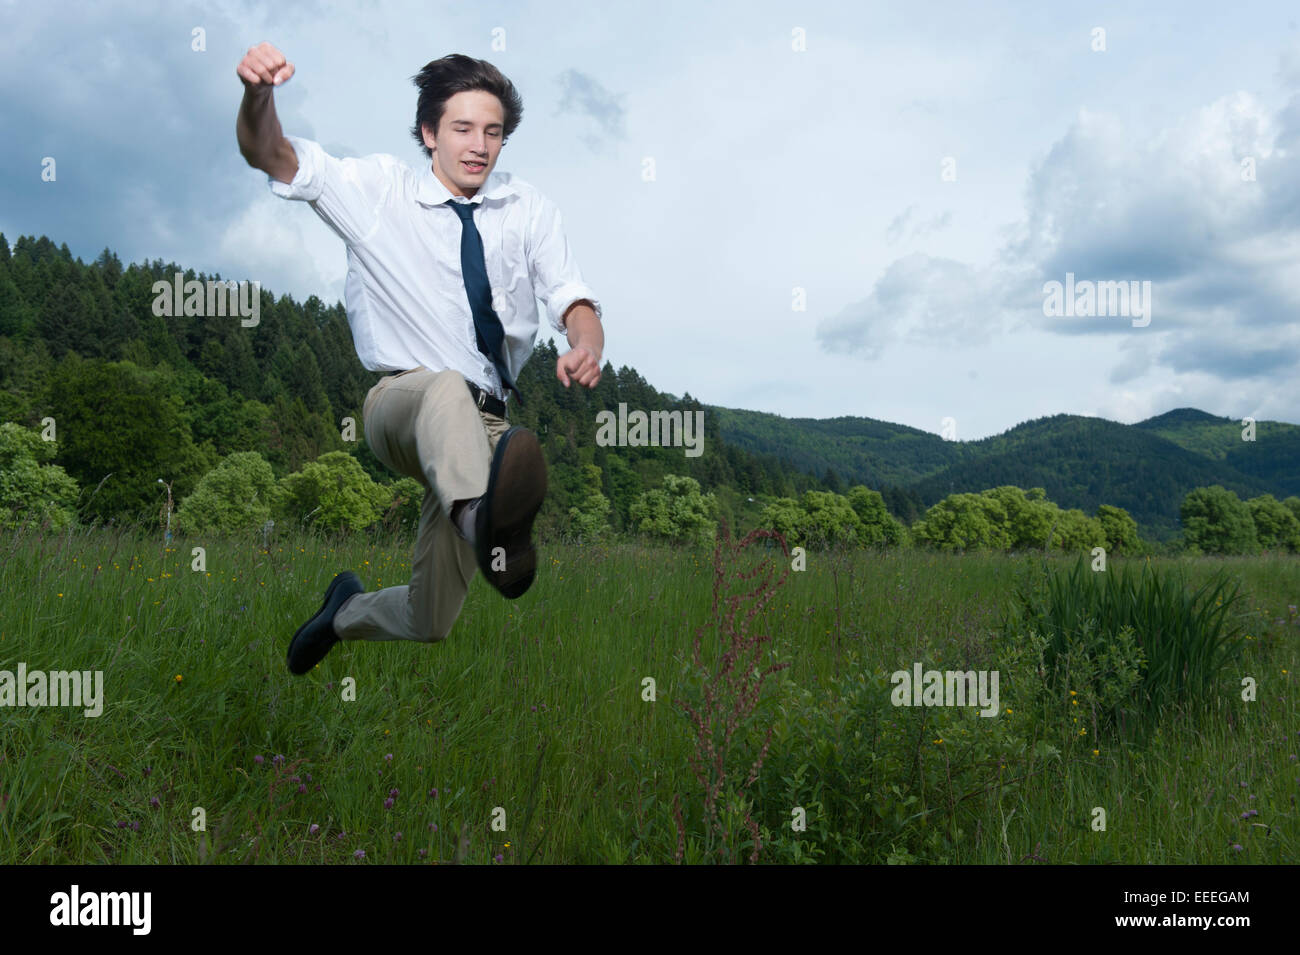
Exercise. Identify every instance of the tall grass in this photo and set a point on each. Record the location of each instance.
(536, 707)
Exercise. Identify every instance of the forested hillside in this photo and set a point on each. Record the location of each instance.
(136, 397)
(126, 399)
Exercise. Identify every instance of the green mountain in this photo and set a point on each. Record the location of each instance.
(1273, 457)
(1145, 468)
(859, 450)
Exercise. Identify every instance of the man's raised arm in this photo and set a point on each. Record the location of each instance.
(261, 141)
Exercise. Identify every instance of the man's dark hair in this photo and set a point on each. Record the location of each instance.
(442, 79)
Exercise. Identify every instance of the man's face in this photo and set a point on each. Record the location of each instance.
(470, 131)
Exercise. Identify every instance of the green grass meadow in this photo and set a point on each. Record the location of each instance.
(526, 735)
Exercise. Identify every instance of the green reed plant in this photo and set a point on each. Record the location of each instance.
(1187, 636)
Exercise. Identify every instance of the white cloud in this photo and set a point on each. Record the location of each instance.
(284, 245)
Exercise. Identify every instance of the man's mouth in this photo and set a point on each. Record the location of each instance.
(474, 166)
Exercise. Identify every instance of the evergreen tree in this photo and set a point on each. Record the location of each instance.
(123, 426)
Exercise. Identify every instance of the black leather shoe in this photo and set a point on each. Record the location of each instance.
(316, 637)
(503, 526)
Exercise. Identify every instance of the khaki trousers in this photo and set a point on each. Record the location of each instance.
(425, 425)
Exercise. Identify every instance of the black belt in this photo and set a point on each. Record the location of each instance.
(493, 406)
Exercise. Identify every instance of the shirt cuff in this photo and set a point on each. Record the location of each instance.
(308, 181)
(565, 296)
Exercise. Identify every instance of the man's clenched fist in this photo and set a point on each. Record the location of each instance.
(580, 364)
(264, 65)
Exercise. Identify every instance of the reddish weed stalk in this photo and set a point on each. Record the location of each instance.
(731, 688)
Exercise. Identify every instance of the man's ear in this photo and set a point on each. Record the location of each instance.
(428, 136)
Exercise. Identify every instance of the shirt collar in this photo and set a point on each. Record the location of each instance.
(431, 191)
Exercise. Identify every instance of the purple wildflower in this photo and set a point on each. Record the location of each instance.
(359, 854)
(313, 829)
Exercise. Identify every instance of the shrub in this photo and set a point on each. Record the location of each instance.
(1120, 530)
(589, 520)
(333, 493)
(32, 490)
(677, 512)
(962, 522)
(237, 495)
(878, 525)
(1275, 524)
(406, 504)
(879, 783)
(1216, 521)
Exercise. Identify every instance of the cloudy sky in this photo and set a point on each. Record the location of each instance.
(854, 208)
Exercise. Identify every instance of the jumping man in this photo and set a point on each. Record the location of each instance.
(445, 267)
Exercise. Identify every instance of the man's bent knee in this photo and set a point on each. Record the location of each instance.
(431, 633)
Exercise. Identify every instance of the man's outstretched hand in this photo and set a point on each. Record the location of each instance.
(264, 65)
(579, 364)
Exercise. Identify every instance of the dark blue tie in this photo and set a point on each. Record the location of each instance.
(487, 326)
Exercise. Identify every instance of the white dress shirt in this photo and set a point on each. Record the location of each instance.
(406, 299)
